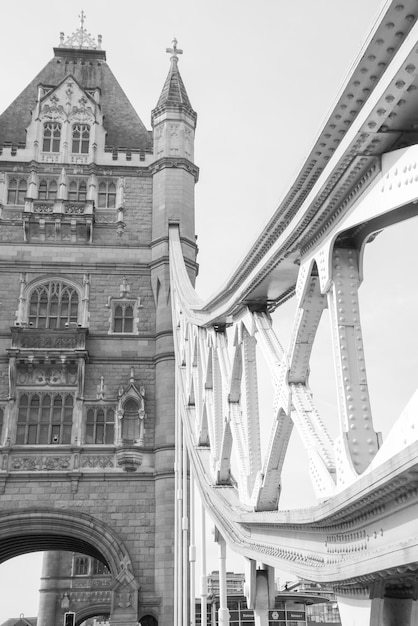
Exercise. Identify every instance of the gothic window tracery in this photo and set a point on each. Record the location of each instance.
(52, 137)
(107, 195)
(100, 425)
(16, 192)
(77, 191)
(98, 568)
(123, 317)
(124, 311)
(53, 305)
(44, 418)
(80, 139)
(47, 189)
(86, 566)
(131, 421)
(81, 565)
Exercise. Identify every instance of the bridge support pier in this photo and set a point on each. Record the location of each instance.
(259, 590)
(376, 608)
(356, 608)
(223, 612)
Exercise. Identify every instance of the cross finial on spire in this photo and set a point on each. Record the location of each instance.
(174, 51)
(81, 38)
(82, 16)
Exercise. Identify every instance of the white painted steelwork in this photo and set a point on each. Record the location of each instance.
(364, 527)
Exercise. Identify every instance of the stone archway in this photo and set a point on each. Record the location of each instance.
(31, 530)
(91, 611)
(148, 620)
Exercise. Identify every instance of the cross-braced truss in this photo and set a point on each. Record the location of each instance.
(218, 405)
(363, 527)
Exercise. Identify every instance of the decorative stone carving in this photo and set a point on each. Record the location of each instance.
(40, 463)
(124, 594)
(131, 416)
(46, 375)
(131, 412)
(59, 220)
(97, 461)
(82, 113)
(52, 110)
(33, 338)
(129, 458)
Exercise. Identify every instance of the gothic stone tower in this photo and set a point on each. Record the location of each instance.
(86, 361)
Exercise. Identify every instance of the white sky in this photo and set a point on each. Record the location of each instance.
(262, 76)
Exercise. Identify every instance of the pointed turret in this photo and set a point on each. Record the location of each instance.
(174, 92)
(173, 119)
(174, 177)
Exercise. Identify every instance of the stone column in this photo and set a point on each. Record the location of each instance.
(48, 595)
(223, 598)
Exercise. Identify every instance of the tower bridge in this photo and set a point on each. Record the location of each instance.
(120, 386)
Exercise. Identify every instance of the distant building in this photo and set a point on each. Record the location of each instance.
(299, 604)
(20, 621)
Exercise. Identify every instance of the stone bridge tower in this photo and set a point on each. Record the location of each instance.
(86, 361)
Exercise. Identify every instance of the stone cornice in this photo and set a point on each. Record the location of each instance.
(175, 162)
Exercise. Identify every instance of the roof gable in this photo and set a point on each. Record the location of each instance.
(89, 69)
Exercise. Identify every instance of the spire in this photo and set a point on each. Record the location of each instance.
(81, 39)
(174, 92)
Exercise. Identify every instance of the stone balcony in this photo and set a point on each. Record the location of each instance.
(58, 221)
(41, 357)
(43, 343)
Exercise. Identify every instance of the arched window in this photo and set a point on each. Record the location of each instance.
(107, 195)
(130, 422)
(47, 189)
(100, 425)
(81, 565)
(99, 568)
(81, 139)
(77, 191)
(123, 318)
(16, 192)
(44, 418)
(53, 305)
(52, 137)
